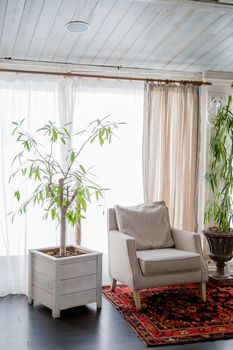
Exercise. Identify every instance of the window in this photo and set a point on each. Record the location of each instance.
(117, 166)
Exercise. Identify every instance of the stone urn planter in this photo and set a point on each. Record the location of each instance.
(65, 282)
(221, 251)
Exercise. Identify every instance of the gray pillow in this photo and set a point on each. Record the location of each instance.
(147, 223)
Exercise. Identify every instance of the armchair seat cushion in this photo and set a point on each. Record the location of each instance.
(167, 260)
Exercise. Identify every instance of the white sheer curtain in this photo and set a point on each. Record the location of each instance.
(34, 98)
(118, 166)
(205, 136)
(170, 149)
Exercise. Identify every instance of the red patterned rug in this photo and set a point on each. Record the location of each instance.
(176, 314)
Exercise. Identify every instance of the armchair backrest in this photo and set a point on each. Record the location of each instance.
(111, 223)
(147, 223)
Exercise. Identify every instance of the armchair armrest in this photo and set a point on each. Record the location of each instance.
(191, 241)
(123, 262)
(187, 240)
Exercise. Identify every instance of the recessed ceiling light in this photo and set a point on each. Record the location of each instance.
(77, 26)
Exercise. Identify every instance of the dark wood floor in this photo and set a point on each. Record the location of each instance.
(24, 327)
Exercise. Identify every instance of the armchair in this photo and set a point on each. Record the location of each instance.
(181, 263)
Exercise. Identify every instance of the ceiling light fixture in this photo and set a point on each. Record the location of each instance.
(77, 26)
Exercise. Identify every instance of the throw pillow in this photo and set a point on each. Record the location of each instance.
(147, 223)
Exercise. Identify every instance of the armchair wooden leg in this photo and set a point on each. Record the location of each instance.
(113, 285)
(137, 300)
(203, 291)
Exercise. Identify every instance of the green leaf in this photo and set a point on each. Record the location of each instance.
(72, 156)
(24, 171)
(88, 195)
(17, 195)
(93, 139)
(54, 214)
(21, 123)
(63, 141)
(67, 132)
(31, 171)
(37, 174)
(83, 203)
(34, 199)
(26, 145)
(45, 217)
(101, 140)
(83, 169)
(97, 195)
(92, 187)
(14, 130)
(54, 134)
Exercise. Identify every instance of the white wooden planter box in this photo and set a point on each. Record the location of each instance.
(62, 283)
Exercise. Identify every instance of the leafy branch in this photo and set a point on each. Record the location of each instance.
(219, 210)
(63, 192)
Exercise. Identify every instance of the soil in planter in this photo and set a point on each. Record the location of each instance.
(70, 251)
(214, 229)
(217, 230)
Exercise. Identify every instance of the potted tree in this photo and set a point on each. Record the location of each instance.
(65, 276)
(219, 209)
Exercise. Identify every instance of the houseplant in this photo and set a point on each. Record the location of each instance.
(219, 175)
(66, 276)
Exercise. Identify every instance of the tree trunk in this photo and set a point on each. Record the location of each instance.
(63, 232)
(77, 232)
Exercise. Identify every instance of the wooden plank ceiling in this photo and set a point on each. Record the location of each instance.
(155, 34)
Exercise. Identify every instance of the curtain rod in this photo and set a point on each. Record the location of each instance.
(68, 74)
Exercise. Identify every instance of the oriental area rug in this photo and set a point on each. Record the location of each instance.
(176, 314)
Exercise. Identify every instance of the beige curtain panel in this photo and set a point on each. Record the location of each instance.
(170, 150)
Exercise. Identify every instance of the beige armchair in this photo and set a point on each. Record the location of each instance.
(180, 263)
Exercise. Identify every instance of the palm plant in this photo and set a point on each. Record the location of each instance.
(219, 210)
(63, 190)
